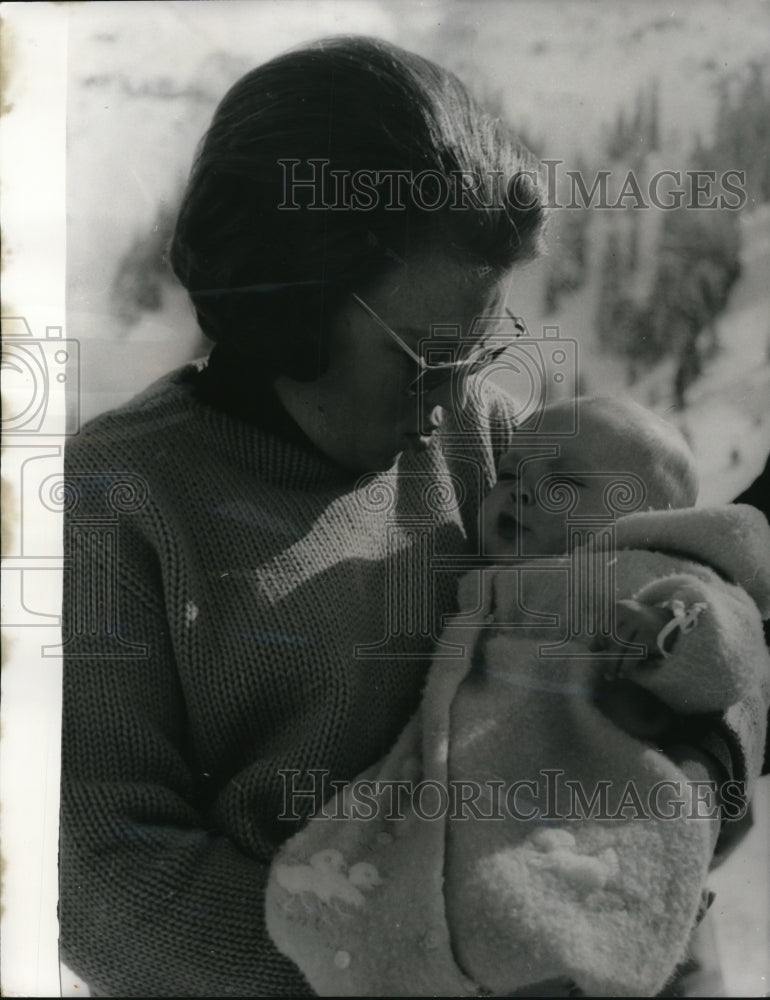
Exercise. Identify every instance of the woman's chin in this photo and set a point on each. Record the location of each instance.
(370, 464)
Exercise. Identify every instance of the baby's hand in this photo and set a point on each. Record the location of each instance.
(635, 623)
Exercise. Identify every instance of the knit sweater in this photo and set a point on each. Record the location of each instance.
(241, 618)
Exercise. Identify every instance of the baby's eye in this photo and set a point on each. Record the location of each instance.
(507, 477)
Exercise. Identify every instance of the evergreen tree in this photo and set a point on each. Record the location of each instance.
(653, 117)
(567, 265)
(638, 121)
(634, 237)
(617, 144)
(143, 270)
(609, 288)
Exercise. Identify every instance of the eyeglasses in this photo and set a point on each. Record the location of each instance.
(431, 377)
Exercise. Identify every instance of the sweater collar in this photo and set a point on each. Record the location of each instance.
(249, 423)
(232, 384)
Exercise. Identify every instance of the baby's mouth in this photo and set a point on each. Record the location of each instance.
(508, 527)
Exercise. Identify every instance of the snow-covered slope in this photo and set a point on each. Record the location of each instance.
(146, 77)
(727, 417)
(564, 67)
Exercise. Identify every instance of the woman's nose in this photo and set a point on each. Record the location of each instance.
(430, 414)
(441, 396)
(433, 419)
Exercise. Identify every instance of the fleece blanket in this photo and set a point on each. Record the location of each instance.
(515, 836)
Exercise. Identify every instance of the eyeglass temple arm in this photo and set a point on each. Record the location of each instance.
(418, 359)
(384, 326)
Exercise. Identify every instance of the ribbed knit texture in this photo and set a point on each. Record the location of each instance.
(245, 571)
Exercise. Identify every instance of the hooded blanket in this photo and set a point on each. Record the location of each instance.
(514, 835)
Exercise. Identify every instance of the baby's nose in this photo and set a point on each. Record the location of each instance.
(521, 492)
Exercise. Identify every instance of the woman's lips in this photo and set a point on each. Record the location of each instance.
(418, 442)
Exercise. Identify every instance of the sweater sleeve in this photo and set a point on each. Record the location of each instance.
(155, 899)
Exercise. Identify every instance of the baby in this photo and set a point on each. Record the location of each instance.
(571, 849)
(614, 437)
(596, 896)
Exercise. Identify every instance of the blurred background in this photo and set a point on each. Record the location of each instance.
(670, 307)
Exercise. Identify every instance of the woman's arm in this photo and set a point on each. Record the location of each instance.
(155, 897)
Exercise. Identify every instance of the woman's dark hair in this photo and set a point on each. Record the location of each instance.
(418, 163)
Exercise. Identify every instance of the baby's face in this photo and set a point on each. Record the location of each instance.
(515, 522)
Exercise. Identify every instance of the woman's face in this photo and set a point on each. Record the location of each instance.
(360, 411)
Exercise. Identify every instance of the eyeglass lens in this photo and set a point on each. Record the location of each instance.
(433, 377)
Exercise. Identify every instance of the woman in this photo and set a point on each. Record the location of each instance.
(258, 527)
